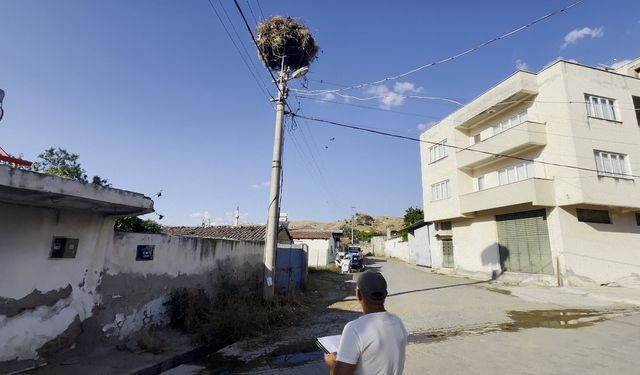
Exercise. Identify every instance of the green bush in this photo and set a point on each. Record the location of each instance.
(135, 224)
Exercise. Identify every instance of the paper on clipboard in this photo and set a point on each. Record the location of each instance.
(329, 344)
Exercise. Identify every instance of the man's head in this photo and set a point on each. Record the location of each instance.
(372, 288)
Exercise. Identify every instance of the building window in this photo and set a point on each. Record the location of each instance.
(443, 225)
(516, 173)
(600, 107)
(636, 107)
(610, 164)
(638, 218)
(480, 181)
(477, 138)
(63, 247)
(509, 123)
(593, 216)
(440, 190)
(438, 151)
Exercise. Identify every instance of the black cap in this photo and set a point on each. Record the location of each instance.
(372, 285)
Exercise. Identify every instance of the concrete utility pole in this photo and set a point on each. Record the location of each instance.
(353, 216)
(271, 240)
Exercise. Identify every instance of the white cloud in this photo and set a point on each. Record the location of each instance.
(424, 126)
(575, 35)
(261, 185)
(521, 65)
(328, 96)
(402, 87)
(388, 98)
(619, 64)
(557, 59)
(201, 215)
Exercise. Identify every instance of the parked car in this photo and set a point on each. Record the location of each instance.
(355, 255)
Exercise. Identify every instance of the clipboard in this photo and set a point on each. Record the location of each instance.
(328, 344)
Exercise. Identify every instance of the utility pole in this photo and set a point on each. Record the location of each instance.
(352, 219)
(271, 239)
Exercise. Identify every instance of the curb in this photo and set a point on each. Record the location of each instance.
(171, 362)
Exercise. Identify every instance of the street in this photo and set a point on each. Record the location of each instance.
(461, 326)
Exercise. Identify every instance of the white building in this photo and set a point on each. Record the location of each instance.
(322, 245)
(538, 176)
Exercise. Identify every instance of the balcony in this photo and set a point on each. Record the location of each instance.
(519, 87)
(524, 136)
(537, 191)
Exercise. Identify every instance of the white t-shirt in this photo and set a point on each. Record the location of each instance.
(375, 343)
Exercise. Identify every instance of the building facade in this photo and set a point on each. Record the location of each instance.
(537, 177)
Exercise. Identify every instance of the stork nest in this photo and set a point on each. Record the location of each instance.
(280, 37)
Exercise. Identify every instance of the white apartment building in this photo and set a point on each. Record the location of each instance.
(537, 177)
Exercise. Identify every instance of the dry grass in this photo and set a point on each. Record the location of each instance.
(219, 320)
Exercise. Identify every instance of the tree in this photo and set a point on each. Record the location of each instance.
(413, 215)
(59, 162)
(97, 180)
(135, 224)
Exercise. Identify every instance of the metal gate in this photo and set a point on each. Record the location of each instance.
(447, 253)
(523, 242)
(291, 267)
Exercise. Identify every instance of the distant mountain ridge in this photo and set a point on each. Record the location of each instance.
(363, 222)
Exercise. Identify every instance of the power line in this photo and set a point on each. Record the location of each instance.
(259, 7)
(239, 52)
(354, 127)
(251, 11)
(460, 54)
(235, 31)
(368, 107)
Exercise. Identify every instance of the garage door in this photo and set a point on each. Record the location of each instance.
(523, 241)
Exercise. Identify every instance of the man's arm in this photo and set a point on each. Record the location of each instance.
(336, 367)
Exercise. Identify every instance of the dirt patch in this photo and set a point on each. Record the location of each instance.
(323, 312)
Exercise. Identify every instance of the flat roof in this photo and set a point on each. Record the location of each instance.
(28, 188)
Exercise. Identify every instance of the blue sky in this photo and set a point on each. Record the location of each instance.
(153, 94)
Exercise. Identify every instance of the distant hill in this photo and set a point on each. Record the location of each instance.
(363, 222)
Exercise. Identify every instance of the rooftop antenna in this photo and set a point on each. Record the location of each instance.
(237, 215)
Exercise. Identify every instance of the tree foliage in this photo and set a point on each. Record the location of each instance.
(135, 224)
(413, 215)
(59, 162)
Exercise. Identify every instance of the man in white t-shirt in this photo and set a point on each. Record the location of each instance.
(375, 342)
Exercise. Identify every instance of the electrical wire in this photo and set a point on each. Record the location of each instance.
(453, 57)
(360, 128)
(265, 91)
(235, 31)
(370, 108)
(260, 8)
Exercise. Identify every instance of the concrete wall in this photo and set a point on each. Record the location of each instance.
(593, 252)
(178, 262)
(40, 298)
(321, 252)
(46, 303)
(396, 248)
(377, 245)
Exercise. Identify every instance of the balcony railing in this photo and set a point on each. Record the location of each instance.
(526, 135)
(537, 191)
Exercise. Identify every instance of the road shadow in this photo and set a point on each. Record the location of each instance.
(436, 288)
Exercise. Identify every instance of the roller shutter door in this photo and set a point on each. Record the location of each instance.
(523, 241)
